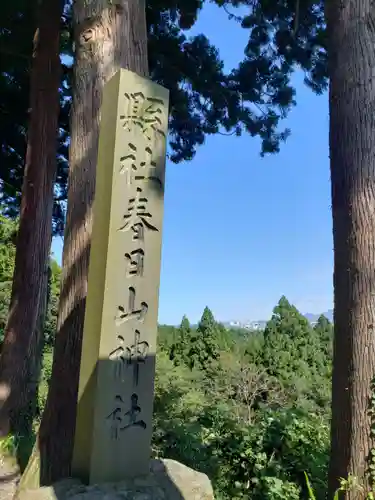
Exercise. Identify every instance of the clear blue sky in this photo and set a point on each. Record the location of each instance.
(239, 230)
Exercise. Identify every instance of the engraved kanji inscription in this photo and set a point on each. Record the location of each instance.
(119, 357)
(128, 356)
(136, 170)
(138, 232)
(121, 420)
(133, 414)
(124, 315)
(115, 417)
(138, 215)
(135, 262)
(137, 354)
(147, 113)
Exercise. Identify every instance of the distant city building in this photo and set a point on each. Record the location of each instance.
(248, 325)
(261, 325)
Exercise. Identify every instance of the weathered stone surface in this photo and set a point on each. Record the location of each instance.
(9, 476)
(168, 480)
(117, 371)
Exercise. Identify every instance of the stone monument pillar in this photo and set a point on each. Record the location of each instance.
(116, 387)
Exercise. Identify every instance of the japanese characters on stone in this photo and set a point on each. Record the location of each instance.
(137, 171)
(117, 371)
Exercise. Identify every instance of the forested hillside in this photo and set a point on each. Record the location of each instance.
(249, 409)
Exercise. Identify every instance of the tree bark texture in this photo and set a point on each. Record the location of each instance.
(109, 35)
(351, 28)
(34, 235)
(38, 345)
(24, 420)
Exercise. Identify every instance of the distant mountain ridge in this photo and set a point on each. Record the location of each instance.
(314, 317)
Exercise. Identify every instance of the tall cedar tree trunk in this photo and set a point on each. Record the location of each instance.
(351, 28)
(109, 35)
(25, 418)
(34, 235)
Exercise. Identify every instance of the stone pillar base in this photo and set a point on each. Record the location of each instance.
(168, 480)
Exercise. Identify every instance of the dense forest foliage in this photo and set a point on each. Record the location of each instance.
(250, 409)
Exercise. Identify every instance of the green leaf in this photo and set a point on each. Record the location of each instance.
(309, 488)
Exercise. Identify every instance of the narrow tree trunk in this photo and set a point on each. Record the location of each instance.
(109, 35)
(351, 28)
(34, 235)
(25, 417)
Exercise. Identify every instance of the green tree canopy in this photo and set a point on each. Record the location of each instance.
(197, 347)
(293, 353)
(204, 348)
(179, 352)
(324, 330)
(205, 99)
